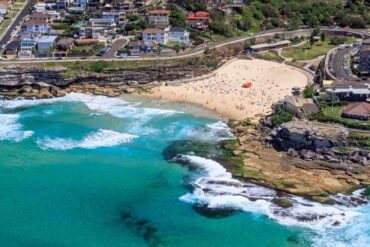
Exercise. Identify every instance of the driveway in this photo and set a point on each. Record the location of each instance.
(116, 45)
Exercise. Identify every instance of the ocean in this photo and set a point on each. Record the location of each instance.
(95, 171)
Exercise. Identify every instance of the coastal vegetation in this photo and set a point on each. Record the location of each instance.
(280, 116)
(359, 139)
(290, 14)
(309, 91)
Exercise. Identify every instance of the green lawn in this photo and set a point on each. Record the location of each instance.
(306, 52)
(270, 56)
(4, 25)
(11, 14)
(333, 114)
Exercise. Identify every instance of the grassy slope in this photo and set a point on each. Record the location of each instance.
(306, 52)
(269, 56)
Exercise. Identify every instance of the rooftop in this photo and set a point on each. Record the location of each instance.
(36, 22)
(358, 109)
(47, 39)
(153, 30)
(159, 12)
(267, 45)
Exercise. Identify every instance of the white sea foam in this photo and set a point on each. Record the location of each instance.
(11, 130)
(214, 188)
(101, 104)
(100, 138)
(214, 132)
(354, 234)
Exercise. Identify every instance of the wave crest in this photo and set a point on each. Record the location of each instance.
(11, 130)
(100, 138)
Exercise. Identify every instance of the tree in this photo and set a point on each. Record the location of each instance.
(323, 36)
(309, 91)
(315, 32)
(177, 17)
(312, 41)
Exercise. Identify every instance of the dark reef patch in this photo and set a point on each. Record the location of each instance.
(143, 228)
(214, 213)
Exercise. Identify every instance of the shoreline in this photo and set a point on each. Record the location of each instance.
(185, 107)
(223, 92)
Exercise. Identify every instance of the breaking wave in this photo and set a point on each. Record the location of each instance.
(102, 104)
(11, 130)
(100, 138)
(214, 189)
(214, 132)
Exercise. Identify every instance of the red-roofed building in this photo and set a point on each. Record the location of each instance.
(199, 20)
(359, 110)
(159, 17)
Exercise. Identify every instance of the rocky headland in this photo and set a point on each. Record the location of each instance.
(37, 82)
(304, 158)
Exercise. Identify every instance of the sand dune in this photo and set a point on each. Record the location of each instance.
(224, 93)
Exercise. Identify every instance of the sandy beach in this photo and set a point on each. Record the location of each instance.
(224, 94)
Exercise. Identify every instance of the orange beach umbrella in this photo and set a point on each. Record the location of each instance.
(247, 84)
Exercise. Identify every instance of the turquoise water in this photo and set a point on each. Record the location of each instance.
(89, 171)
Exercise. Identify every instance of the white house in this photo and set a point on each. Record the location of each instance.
(54, 15)
(179, 34)
(92, 32)
(117, 16)
(102, 22)
(37, 26)
(28, 46)
(45, 43)
(155, 35)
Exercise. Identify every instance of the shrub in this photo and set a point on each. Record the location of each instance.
(309, 91)
(98, 66)
(280, 116)
(338, 40)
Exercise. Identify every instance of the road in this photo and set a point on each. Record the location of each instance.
(194, 53)
(5, 38)
(336, 64)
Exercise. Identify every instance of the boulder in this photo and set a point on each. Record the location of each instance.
(308, 155)
(44, 94)
(237, 152)
(57, 92)
(241, 129)
(291, 152)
